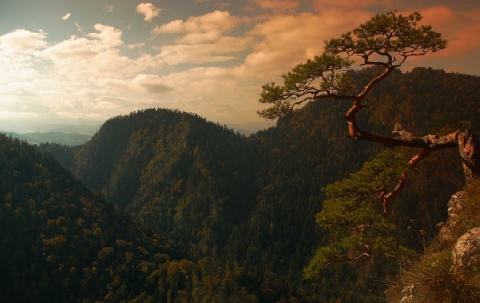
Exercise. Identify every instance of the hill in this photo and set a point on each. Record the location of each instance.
(63, 243)
(252, 200)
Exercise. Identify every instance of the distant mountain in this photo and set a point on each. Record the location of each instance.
(252, 200)
(24, 127)
(53, 137)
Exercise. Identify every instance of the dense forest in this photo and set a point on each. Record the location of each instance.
(238, 212)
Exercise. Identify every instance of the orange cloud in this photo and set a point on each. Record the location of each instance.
(277, 6)
(460, 28)
(290, 40)
(321, 5)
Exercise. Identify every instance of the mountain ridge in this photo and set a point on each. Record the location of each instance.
(253, 200)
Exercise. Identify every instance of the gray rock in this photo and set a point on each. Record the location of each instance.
(466, 253)
(455, 206)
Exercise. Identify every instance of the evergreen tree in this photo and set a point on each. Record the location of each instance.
(351, 215)
(386, 42)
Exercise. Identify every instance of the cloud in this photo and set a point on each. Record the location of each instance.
(71, 76)
(78, 49)
(135, 46)
(108, 35)
(89, 75)
(284, 41)
(278, 6)
(349, 5)
(79, 27)
(222, 50)
(22, 41)
(202, 39)
(109, 8)
(198, 29)
(67, 15)
(148, 10)
(460, 28)
(151, 84)
(92, 57)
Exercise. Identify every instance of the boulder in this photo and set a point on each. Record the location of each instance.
(466, 253)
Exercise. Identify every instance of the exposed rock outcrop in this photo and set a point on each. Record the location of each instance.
(459, 273)
(466, 253)
(455, 205)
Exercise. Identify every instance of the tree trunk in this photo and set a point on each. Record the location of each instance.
(469, 152)
(468, 146)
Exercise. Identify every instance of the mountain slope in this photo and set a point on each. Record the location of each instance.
(253, 200)
(61, 243)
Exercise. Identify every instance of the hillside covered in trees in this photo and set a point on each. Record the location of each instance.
(61, 242)
(250, 202)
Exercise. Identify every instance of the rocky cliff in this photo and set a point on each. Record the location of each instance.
(449, 270)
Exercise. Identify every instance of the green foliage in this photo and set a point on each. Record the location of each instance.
(350, 214)
(386, 35)
(299, 85)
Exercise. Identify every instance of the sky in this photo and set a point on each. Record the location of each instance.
(85, 61)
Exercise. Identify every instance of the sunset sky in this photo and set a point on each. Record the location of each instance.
(72, 61)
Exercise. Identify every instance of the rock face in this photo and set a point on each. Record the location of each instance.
(466, 253)
(455, 206)
(464, 269)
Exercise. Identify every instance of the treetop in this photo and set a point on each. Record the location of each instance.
(385, 40)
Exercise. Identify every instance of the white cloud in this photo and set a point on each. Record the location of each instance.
(202, 39)
(22, 41)
(109, 8)
(134, 46)
(79, 27)
(108, 35)
(66, 16)
(148, 10)
(69, 76)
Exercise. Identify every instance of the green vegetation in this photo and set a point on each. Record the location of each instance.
(63, 243)
(260, 199)
(352, 216)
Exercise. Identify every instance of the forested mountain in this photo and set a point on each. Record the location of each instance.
(61, 242)
(252, 200)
